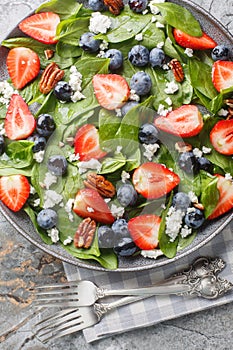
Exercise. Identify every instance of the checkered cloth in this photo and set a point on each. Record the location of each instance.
(154, 309)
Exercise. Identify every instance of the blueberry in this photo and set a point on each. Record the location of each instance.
(96, 5)
(116, 58)
(2, 144)
(138, 5)
(188, 162)
(141, 83)
(205, 164)
(120, 228)
(45, 125)
(139, 55)
(106, 237)
(125, 247)
(57, 165)
(39, 142)
(220, 52)
(128, 106)
(63, 91)
(148, 134)
(194, 218)
(47, 219)
(181, 201)
(157, 57)
(127, 195)
(88, 43)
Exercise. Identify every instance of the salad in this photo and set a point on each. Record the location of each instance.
(116, 134)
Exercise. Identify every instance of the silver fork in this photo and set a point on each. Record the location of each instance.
(200, 279)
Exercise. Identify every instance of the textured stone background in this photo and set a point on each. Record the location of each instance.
(22, 266)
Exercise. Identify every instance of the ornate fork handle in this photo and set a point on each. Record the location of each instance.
(200, 279)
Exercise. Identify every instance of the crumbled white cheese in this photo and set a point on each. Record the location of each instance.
(49, 180)
(188, 52)
(92, 164)
(73, 157)
(197, 152)
(54, 234)
(165, 67)
(6, 91)
(51, 198)
(190, 210)
(125, 176)
(223, 112)
(151, 254)
(171, 88)
(159, 25)
(36, 202)
(77, 96)
(173, 220)
(104, 45)
(99, 23)
(68, 240)
(32, 190)
(228, 176)
(168, 101)
(160, 45)
(90, 210)
(150, 150)
(133, 96)
(193, 197)
(145, 12)
(206, 150)
(153, 19)
(118, 112)
(139, 37)
(163, 111)
(116, 211)
(68, 208)
(75, 81)
(107, 200)
(153, 8)
(185, 231)
(39, 156)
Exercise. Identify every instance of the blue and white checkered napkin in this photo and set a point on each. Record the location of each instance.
(154, 309)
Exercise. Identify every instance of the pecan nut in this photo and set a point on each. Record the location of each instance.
(48, 54)
(114, 6)
(51, 75)
(97, 182)
(177, 70)
(85, 233)
(183, 147)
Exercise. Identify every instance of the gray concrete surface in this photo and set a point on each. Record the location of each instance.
(22, 266)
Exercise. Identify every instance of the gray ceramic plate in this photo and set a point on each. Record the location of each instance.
(21, 222)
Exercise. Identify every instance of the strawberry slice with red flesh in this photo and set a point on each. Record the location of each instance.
(23, 66)
(203, 42)
(221, 137)
(111, 90)
(144, 230)
(153, 180)
(14, 191)
(86, 143)
(225, 202)
(89, 203)
(222, 75)
(185, 121)
(19, 122)
(41, 27)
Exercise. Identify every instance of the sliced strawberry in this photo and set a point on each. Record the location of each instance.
(144, 230)
(225, 202)
(203, 42)
(111, 90)
(41, 26)
(14, 191)
(185, 121)
(221, 137)
(86, 143)
(23, 66)
(19, 122)
(222, 75)
(89, 203)
(154, 180)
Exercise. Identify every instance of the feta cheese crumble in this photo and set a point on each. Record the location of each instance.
(168, 101)
(223, 112)
(160, 45)
(52, 198)
(75, 82)
(49, 180)
(68, 240)
(68, 208)
(90, 210)
(125, 176)
(171, 88)
(185, 231)
(150, 150)
(54, 234)
(99, 23)
(173, 220)
(188, 52)
(153, 8)
(116, 211)
(197, 152)
(92, 164)
(193, 197)
(151, 254)
(206, 150)
(228, 176)
(163, 111)
(39, 156)
(6, 91)
(133, 96)
(139, 37)
(73, 157)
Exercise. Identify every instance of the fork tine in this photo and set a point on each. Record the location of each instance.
(57, 285)
(67, 304)
(55, 291)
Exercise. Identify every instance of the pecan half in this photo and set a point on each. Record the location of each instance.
(48, 54)
(183, 147)
(51, 75)
(85, 233)
(177, 70)
(199, 206)
(114, 6)
(97, 182)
